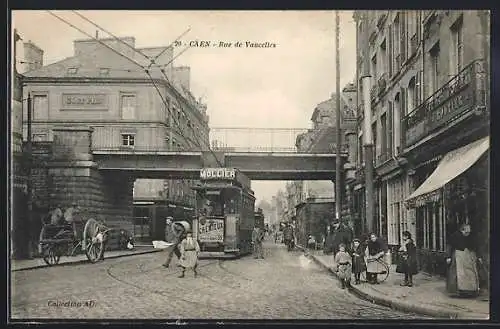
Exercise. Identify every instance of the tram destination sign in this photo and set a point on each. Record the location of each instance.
(218, 173)
(230, 174)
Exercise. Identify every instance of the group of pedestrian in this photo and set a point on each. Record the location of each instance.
(355, 258)
(184, 246)
(463, 272)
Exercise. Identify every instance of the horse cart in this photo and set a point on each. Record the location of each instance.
(68, 239)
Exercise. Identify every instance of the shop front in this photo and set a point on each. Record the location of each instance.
(451, 192)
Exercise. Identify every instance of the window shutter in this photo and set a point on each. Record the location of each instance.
(390, 125)
(418, 89)
(403, 37)
(390, 50)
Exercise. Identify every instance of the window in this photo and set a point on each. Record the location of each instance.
(383, 56)
(396, 227)
(128, 140)
(128, 104)
(412, 97)
(434, 74)
(383, 140)
(40, 107)
(396, 119)
(374, 134)
(390, 129)
(458, 48)
(374, 67)
(72, 70)
(396, 31)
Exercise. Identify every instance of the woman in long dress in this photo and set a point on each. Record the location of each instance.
(374, 254)
(190, 250)
(407, 260)
(462, 277)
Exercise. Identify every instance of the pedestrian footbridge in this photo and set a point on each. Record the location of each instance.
(270, 158)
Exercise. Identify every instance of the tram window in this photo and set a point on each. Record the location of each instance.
(231, 205)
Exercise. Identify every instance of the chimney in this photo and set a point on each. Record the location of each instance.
(89, 46)
(33, 56)
(182, 75)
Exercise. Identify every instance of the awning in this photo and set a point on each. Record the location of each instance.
(451, 165)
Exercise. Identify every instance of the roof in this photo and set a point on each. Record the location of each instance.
(106, 64)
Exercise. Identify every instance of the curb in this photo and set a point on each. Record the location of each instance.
(84, 260)
(394, 304)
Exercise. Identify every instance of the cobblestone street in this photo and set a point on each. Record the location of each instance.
(283, 285)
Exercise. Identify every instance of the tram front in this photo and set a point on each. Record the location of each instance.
(225, 218)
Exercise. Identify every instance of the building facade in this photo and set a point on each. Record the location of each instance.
(312, 202)
(125, 108)
(19, 217)
(429, 97)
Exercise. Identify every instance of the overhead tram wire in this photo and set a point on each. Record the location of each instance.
(92, 37)
(145, 71)
(165, 49)
(115, 51)
(111, 34)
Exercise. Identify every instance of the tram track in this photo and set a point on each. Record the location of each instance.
(180, 290)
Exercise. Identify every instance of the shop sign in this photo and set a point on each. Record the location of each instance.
(84, 100)
(211, 231)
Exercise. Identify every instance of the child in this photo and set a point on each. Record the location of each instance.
(358, 260)
(344, 263)
(190, 249)
(407, 259)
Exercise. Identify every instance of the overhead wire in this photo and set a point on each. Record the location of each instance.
(111, 34)
(148, 73)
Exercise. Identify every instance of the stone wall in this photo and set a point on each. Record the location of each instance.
(63, 173)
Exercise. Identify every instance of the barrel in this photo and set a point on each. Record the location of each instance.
(181, 227)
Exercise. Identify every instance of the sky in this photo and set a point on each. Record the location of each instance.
(243, 87)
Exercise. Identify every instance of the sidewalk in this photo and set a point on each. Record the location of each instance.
(28, 264)
(427, 296)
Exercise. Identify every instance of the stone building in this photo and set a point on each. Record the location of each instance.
(429, 97)
(100, 93)
(313, 202)
(19, 217)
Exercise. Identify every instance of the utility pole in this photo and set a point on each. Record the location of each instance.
(29, 185)
(338, 160)
(367, 133)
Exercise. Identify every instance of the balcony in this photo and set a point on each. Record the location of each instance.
(464, 93)
(381, 158)
(382, 83)
(413, 45)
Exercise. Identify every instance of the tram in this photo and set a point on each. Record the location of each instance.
(225, 212)
(259, 218)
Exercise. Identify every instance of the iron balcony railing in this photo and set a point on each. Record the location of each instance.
(464, 93)
(381, 158)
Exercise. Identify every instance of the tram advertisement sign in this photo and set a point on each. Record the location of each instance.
(211, 231)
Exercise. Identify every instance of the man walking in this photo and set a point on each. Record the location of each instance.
(257, 237)
(173, 239)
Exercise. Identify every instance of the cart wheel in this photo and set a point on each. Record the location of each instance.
(384, 275)
(94, 241)
(52, 257)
